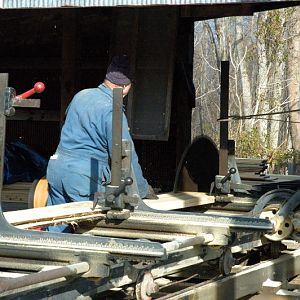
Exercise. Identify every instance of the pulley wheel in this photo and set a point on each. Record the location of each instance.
(40, 193)
(226, 262)
(284, 230)
(145, 286)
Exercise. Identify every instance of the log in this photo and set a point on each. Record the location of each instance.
(82, 211)
(52, 214)
(173, 201)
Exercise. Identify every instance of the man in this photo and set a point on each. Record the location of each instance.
(80, 166)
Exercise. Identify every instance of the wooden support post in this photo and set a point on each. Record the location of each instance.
(126, 23)
(3, 85)
(224, 104)
(68, 64)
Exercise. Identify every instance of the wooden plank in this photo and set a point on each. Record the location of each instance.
(21, 190)
(77, 211)
(172, 201)
(73, 220)
(182, 195)
(50, 212)
(241, 160)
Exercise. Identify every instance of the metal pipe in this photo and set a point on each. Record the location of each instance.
(184, 243)
(134, 234)
(290, 205)
(26, 280)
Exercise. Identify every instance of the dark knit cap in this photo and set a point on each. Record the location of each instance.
(118, 72)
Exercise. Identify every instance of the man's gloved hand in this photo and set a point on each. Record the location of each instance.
(151, 194)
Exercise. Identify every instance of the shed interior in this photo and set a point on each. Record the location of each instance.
(69, 50)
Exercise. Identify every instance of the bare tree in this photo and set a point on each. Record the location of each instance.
(293, 75)
(264, 76)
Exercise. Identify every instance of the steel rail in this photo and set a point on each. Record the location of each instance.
(133, 233)
(111, 246)
(188, 223)
(243, 283)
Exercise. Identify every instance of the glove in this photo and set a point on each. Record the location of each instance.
(151, 194)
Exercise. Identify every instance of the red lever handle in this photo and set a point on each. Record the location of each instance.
(38, 88)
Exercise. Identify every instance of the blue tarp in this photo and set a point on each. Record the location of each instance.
(22, 163)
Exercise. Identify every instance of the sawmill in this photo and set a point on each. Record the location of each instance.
(221, 228)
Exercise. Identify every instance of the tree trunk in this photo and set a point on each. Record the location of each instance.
(262, 77)
(241, 48)
(293, 74)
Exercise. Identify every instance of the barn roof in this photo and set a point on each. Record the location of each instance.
(22, 4)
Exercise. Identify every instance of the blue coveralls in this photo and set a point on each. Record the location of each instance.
(80, 165)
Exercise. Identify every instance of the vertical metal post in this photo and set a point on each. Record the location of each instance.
(224, 105)
(116, 157)
(3, 85)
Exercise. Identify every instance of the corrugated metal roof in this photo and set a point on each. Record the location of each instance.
(16, 4)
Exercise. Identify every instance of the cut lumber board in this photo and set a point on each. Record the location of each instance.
(72, 220)
(254, 161)
(51, 213)
(172, 201)
(82, 211)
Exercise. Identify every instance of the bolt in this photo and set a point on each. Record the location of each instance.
(152, 288)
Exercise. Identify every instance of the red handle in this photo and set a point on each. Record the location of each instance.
(38, 88)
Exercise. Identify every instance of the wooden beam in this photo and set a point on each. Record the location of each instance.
(68, 66)
(82, 211)
(204, 12)
(224, 105)
(173, 201)
(51, 214)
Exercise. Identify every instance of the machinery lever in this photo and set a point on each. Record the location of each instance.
(39, 87)
(228, 175)
(222, 182)
(11, 100)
